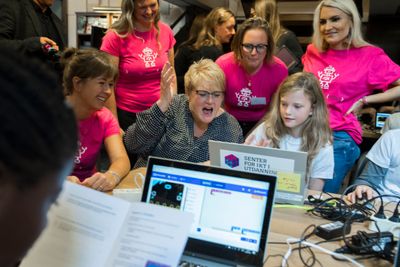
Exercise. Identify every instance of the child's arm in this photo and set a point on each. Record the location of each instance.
(316, 184)
(257, 137)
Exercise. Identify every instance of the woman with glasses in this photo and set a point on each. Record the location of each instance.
(179, 127)
(349, 69)
(252, 73)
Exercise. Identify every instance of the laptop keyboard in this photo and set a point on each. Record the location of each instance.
(190, 264)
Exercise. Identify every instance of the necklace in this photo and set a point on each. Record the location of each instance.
(138, 37)
(248, 78)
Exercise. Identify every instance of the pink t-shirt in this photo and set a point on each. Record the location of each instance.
(247, 97)
(141, 59)
(92, 133)
(346, 76)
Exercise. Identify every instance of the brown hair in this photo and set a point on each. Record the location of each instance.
(86, 64)
(250, 24)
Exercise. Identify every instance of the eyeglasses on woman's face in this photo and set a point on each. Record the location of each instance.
(260, 48)
(206, 94)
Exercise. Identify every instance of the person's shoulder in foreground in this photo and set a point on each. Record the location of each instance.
(382, 166)
(38, 140)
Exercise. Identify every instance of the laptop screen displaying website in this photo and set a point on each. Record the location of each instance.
(230, 212)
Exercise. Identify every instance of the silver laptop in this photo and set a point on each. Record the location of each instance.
(289, 166)
(232, 210)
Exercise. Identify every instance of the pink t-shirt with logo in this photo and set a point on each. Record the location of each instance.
(346, 76)
(92, 133)
(247, 97)
(141, 59)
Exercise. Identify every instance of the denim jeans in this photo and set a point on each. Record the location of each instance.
(346, 152)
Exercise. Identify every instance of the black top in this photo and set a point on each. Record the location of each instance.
(22, 24)
(186, 56)
(289, 39)
(49, 29)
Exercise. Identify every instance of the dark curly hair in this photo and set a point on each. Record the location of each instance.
(38, 135)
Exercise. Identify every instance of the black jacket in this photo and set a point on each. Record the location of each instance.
(20, 28)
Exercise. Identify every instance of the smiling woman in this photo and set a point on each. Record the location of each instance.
(89, 78)
(179, 127)
(140, 44)
(349, 69)
(253, 73)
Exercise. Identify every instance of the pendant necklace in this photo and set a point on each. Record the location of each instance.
(248, 77)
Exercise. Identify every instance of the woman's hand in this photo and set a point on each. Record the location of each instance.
(167, 87)
(359, 192)
(100, 181)
(73, 179)
(355, 108)
(251, 140)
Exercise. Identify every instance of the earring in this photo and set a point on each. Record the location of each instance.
(310, 114)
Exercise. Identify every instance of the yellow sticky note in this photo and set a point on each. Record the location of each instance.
(289, 181)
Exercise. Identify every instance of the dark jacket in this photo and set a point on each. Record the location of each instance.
(20, 28)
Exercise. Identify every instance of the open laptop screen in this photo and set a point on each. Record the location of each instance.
(380, 119)
(232, 209)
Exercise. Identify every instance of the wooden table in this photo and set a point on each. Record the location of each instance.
(287, 221)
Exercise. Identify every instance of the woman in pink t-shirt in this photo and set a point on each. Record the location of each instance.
(140, 45)
(89, 78)
(252, 73)
(349, 69)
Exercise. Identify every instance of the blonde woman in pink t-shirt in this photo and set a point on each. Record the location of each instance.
(349, 69)
(89, 78)
(140, 45)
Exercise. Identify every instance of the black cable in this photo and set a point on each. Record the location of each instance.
(304, 236)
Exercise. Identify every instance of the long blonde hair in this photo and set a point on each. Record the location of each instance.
(355, 38)
(207, 36)
(316, 132)
(268, 10)
(125, 24)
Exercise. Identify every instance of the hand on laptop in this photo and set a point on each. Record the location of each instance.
(252, 141)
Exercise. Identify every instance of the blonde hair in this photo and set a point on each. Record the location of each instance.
(355, 38)
(316, 132)
(268, 10)
(86, 64)
(125, 24)
(250, 24)
(201, 71)
(207, 36)
(195, 29)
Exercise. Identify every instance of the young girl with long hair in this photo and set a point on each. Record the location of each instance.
(298, 121)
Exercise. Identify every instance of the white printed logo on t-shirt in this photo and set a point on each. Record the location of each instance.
(148, 57)
(79, 153)
(327, 76)
(244, 97)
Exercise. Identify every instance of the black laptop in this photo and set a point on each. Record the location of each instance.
(232, 210)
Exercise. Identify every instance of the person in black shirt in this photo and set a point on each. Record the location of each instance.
(32, 29)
